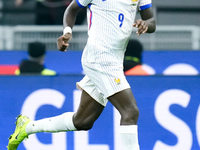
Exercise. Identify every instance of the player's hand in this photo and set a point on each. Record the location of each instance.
(141, 25)
(62, 42)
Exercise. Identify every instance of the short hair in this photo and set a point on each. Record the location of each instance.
(36, 49)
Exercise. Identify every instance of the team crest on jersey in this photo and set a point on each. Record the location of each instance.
(134, 2)
(117, 80)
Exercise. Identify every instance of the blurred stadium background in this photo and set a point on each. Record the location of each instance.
(178, 27)
(169, 105)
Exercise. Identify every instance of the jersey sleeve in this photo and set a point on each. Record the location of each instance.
(144, 4)
(83, 3)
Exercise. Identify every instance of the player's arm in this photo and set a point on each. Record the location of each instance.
(148, 17)
(70, 14)
(147, 23)
(69, 19)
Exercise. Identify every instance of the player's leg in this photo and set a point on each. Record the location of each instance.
(125, 103)
(87, 113)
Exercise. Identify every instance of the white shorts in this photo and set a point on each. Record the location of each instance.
(102, 81)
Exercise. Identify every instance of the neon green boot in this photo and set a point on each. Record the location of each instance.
(19, 135)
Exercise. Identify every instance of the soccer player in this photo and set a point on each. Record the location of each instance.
(110, 26)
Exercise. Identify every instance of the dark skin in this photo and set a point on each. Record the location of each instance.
(89, 110)
(147, 23)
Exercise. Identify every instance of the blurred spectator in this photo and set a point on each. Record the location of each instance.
(133, 59)
(50, 12)
(35, 63)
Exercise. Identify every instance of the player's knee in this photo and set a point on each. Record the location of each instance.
(83, 125)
